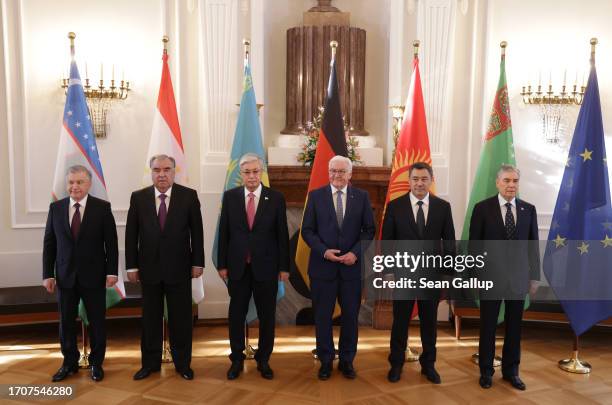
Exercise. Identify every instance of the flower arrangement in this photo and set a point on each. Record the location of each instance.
(312, 130)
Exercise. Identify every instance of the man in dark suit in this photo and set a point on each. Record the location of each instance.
(515, 270)
(164, 249)
(418, 216)
(253, 255)
(80, 254)
(337, 220)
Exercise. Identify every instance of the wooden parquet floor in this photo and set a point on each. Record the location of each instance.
(30, 355)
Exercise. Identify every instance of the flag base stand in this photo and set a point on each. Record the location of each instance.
(411, 355)
(84, 359)
(575, 365)
(315, 356)
(249, 352)
(497, 360)
(166, 353)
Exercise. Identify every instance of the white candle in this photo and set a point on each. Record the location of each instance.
(564, 76)
(113, 76)
(86, 71)
(101, 71)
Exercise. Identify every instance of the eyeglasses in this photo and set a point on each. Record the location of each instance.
(251, 172)
(340, 172)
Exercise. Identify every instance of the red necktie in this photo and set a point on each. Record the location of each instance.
(75, 225)
(250, 217)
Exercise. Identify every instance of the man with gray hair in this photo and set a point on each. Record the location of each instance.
(504, 217)
(253, 255)
(80, 257)
(164, 249)
(337, 219)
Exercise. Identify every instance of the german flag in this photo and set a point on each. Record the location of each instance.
(331, 142)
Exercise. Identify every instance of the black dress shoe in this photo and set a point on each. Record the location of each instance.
(395, 374)
(485, 381)
(347, 370)
(63, 372)
(516, 382)
(187, 373)
(265, 370)
(431, 374)
(97, 373)
(325, 371)
(235, 370)
(144, 373)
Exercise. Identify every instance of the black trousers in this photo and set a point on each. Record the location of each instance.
(324, 294)
(180, 323)
(264, 295)
(511, 352)
(428, 314)
(94, 300)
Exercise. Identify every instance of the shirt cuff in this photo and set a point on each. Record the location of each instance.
(110, 275)
(198, 267)
(131, 270)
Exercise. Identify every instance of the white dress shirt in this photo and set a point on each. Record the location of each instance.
(502, 206)
(415, 207)
(257, 193)
(72, 210)
(158, 200)
(334, 191)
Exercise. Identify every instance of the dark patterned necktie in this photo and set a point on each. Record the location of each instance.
(339, 213)
(75, 225)
(420, 220)
(510, 224)
(163, 211)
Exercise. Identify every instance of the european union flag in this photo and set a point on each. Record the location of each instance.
(578, 258)
(247, 139)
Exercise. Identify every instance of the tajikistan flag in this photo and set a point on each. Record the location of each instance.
(166, 139)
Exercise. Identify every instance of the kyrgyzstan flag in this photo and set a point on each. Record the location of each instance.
(412, 144)
(166, 139)
(331, 142)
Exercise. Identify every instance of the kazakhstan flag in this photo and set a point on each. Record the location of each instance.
(247, 139)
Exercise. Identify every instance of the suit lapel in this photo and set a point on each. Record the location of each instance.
(65, 206)
(411, 218)
(497, 213)
(175, 198)
(85, 216)
(329, 200)
(350, 202)
(150, 204)
(261, 206)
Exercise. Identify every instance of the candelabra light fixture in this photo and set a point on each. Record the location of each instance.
(554, 107)
(101, 97)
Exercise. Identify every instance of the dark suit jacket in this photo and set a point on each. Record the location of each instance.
(508, 262)
(320, 231)
(92, 256)
(400, 224)
(166, 255)
(267, 242)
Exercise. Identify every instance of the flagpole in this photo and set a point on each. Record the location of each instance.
(166, 352)
(416, 43)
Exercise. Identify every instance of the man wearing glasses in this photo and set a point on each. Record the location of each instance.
(337, 218)
(253, 255)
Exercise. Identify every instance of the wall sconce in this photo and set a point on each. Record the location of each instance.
(101, 98)
(553, 106)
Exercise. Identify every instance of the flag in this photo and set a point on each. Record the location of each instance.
(331, 142)
(498, 149)
(247, 139)
(166, 139)
(579, 249)
(412, 145)
(77, 146)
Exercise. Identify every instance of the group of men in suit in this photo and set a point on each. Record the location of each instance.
(164, 250)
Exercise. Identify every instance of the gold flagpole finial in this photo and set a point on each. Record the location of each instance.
(165, 40)
(71, 36)
(594, 42)
(416, 43)
(247, 49)
(503, 45)
(334, 46)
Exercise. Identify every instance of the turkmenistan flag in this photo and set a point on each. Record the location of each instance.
(498, 149)
(247, 139)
